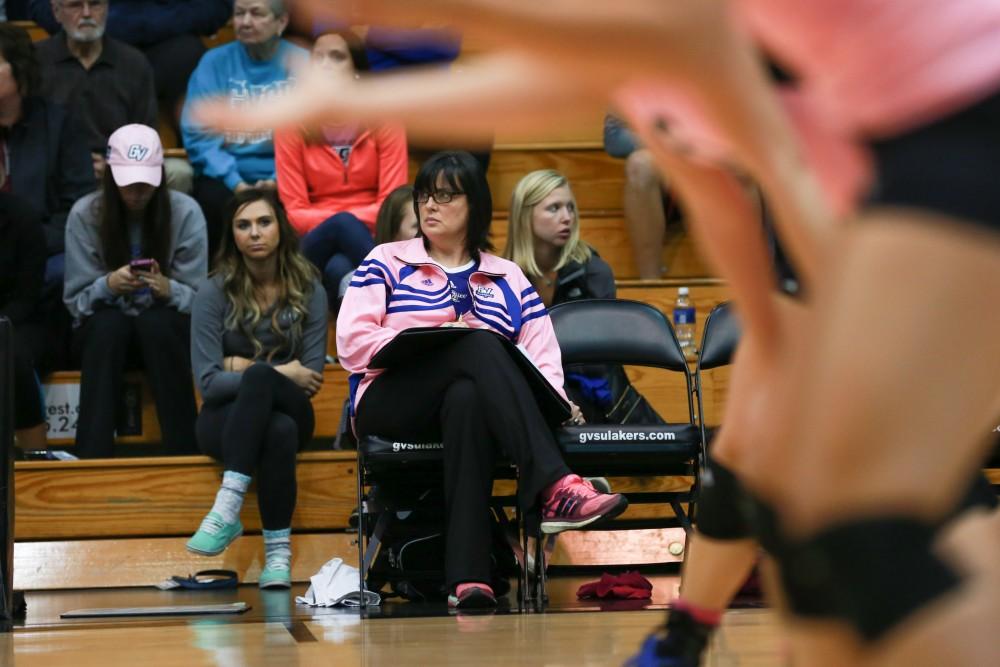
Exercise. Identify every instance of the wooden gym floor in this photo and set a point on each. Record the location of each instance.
(276, 631)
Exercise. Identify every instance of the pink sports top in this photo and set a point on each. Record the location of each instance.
(881, 67)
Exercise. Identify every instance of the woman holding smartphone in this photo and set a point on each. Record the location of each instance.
(135, 252)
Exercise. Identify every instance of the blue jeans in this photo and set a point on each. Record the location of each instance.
(336, 247)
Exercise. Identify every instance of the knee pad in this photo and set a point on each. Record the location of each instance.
(871, 573)
(723, 504)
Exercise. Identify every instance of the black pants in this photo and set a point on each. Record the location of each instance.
(163, 337)
(261, 431)
(473, 398)
(28, 408)
(212, 196)
(336, 247)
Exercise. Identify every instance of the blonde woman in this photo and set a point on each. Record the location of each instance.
(258, 348)
(544, 240)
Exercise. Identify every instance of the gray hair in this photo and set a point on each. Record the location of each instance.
(278, 7)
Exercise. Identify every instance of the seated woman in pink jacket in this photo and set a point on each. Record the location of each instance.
(332, 180)
(470, 395)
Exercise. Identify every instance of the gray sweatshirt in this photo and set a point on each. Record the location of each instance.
(86, 281)
(211, 341)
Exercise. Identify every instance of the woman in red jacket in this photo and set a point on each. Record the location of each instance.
(333, 179)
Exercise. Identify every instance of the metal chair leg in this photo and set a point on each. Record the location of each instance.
(522, 571)
(362, 537)
(539, 570)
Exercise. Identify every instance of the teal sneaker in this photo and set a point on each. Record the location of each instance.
(276, 575)
(214, 535)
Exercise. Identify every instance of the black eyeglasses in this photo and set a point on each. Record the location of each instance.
(440, 196)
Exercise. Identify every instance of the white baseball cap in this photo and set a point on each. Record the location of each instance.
(135, 155)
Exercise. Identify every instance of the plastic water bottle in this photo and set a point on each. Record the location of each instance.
(684, 323)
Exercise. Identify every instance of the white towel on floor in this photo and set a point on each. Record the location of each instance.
(336, 583)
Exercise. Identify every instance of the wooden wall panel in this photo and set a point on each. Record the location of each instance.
(607, 234)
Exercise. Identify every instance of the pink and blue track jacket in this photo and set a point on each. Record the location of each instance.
(399, 286)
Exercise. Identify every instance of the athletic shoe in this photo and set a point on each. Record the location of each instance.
(472, 598)
(214, 535)
(574, 504)
(680, 644)
(275, 575)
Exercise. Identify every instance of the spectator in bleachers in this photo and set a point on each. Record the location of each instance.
(647, 205)
(333, 179)
(258, 349)
(397, 219)
(42, 147)
(544, 240)
(168, 32)
(135, 252)
(470, 394)
(107, 83)
(247, 71)
(22, 267)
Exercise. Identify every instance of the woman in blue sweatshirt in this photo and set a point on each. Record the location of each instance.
(251, 69)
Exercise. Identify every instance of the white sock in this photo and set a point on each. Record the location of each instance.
(229, 499)
(278, 548)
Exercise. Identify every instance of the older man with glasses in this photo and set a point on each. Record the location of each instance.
(106, 82)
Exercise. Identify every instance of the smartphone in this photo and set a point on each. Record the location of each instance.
(141, 265)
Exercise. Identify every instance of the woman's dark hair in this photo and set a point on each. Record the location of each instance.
(17, 49)
(113, 217)
(389, 214)
(461, 173)
(355, 46)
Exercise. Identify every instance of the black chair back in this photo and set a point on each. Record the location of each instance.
(616, 331)
(720, 338)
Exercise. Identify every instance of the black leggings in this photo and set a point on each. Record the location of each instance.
(261, 430)
(104, 341)
(472, 397)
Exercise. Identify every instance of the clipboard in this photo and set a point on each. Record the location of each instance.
(418, 342)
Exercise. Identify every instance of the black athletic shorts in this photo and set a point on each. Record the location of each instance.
(950, 166)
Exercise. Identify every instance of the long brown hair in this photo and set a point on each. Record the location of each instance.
(113, 218)
(296, 277)
(390, 214)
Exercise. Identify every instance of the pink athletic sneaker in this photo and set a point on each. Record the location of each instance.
(572, 503)
(471, 597)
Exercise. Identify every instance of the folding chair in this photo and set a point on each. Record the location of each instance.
(627, 333)
(718, 343)
(410, 465)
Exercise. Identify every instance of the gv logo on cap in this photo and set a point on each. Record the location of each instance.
(137, 152)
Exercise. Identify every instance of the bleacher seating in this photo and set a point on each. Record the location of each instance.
(123, 521)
